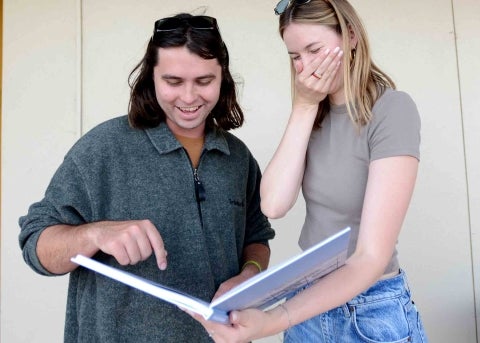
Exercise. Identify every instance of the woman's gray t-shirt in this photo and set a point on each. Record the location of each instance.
(338, 159)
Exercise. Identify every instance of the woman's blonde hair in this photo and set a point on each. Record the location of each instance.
(364, 82)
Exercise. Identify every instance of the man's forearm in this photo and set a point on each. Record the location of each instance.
(58, 243)
(255, 257)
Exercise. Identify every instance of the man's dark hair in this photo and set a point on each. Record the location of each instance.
(144, 110)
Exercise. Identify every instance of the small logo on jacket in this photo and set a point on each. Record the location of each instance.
(237, 203)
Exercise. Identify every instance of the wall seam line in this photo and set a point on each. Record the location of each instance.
(79, 53)
(472, 262)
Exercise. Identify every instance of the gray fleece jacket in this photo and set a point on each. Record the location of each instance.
(115, 172)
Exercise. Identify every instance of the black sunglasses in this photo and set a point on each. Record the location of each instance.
(283, 4)
(199, 22)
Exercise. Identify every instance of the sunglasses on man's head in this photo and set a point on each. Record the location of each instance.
(199, 22)
(283, 4)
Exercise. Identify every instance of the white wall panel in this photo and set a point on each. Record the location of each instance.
(40, 122)
(412, 40)
(467, 18)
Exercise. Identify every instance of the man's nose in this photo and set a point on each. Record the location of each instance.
(189, 94)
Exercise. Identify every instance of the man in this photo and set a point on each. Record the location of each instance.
(166, 177)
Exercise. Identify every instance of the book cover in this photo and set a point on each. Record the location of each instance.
(260, 291)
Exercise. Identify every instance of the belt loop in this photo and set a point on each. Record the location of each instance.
(405, 281)
(347, 310)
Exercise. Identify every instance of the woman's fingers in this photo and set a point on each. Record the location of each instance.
(327, 69)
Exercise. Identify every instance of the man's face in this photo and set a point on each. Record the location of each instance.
(187, 88)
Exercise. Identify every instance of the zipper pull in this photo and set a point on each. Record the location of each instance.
(199, 189)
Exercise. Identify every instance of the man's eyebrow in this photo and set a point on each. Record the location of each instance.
(207, 76)
(201, 77)
(170, 77)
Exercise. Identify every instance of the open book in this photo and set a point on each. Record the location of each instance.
(260, 291)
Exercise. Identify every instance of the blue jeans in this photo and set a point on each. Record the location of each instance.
(383, 313)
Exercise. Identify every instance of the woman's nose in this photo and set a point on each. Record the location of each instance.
(298, 65)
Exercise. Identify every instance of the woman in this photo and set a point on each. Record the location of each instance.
(352, 144)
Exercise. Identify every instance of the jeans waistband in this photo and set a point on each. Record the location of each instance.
(383, 289)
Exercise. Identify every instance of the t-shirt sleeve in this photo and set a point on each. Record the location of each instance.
(395, 127)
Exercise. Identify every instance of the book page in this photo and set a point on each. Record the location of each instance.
(260, 291)
(170, 295)
(274, 284)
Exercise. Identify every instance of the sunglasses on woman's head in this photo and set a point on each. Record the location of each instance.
(199, 22)
(283, 4)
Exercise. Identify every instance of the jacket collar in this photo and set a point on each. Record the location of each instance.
(165, 142)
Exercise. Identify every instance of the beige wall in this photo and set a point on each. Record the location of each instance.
(467, 15)
(66, 64)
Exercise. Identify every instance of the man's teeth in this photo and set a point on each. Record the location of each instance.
(189, 109)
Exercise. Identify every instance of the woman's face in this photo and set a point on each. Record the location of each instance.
(306, 42)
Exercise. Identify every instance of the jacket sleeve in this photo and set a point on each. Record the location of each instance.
(66, 201)
(258, 229)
